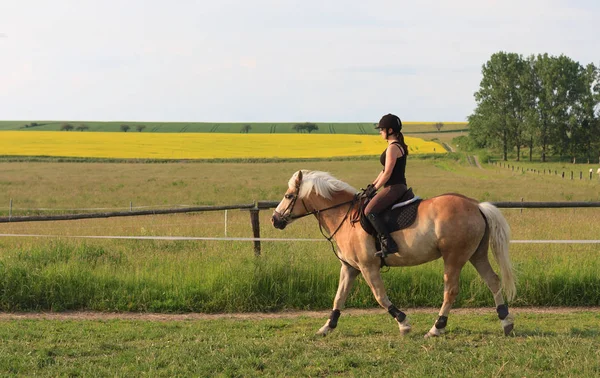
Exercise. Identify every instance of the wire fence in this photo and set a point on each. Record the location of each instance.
(253, 209)
(564, 174)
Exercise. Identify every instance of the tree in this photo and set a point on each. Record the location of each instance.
(299, 128)
(305, 127)
(569, 89)
(67, 127)
(82, 127)
(438, 126)
(245, 129)
(499, 115)
(584, 130)
(310, 127)
(125, 128)
(544, 102)
(139, 128)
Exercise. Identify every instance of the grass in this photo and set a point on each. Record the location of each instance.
(115, 185)
(211, 276)
(159, 276)
(365, 345)
(115, 275)
(220, 127)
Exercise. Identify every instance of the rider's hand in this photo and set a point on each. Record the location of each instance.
(370, 191)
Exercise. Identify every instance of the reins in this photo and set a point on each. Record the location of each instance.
(330, 237)
(320, 210)
(318, 214)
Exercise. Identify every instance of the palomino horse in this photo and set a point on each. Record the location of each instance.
(451, 226)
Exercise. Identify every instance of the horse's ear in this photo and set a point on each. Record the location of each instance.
(298, 179)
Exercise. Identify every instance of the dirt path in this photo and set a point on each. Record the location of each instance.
(448, 147)
(101, 316)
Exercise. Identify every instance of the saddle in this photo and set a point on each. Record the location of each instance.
(398, 217)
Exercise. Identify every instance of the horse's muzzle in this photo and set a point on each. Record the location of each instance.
(278, 221)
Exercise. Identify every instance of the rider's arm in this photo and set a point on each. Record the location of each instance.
(378, 176)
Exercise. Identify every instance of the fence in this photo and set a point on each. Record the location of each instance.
(254, 209)
(548, 171)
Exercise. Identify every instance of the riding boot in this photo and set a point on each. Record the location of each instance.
(388, 245)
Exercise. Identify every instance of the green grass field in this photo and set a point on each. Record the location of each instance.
(547, 344)
(213, 276)
(217, 127)
(61, 273)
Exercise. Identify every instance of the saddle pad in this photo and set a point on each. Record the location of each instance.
(395, 219)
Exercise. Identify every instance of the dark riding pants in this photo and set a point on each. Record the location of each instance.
(385, 198)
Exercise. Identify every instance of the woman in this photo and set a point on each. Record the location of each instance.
(392, 179)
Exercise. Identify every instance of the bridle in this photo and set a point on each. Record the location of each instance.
(290, 216)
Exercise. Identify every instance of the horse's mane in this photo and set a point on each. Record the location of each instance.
(323, 183)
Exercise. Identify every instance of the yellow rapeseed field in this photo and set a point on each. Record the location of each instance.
(135, 145)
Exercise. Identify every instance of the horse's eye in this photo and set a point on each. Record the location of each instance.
(289, 196)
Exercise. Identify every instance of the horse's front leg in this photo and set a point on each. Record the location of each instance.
(347, 276)
(372, 275)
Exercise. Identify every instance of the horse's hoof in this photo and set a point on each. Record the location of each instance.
(429, 335)
(508, 324)
(435, 332)
(324, 331)
(404, 327)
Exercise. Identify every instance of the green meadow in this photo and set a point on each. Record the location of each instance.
(62, 273)
(59, 273)
(221, 127)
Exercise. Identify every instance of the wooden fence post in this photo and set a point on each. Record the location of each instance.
(254, 218)
(521, 205)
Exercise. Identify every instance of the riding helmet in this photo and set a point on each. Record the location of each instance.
(390, 121)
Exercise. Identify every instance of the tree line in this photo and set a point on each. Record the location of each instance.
(299, 128)
(83, 127)
(545, 103)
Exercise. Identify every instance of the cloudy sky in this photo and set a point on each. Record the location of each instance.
(268, 60)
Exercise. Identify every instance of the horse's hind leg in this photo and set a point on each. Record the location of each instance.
(481, 263)
(451, 288)
(347, 276)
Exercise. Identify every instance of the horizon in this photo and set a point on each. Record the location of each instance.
(146, 121)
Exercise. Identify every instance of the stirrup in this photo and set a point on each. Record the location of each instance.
(384, 251)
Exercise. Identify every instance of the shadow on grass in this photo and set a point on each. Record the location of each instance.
(591, 333)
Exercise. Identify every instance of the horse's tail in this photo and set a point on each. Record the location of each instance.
(499, 239)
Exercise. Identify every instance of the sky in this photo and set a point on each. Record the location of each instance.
(268, 60)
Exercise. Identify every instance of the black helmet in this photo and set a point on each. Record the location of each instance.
(390, 121)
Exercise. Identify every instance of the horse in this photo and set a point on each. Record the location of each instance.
(451, 226)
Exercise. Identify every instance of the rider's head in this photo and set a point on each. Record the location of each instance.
(390, 122)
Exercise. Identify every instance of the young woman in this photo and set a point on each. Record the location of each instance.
(392, 179)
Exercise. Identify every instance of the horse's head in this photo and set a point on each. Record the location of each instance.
(286, 210)
(310, 192)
